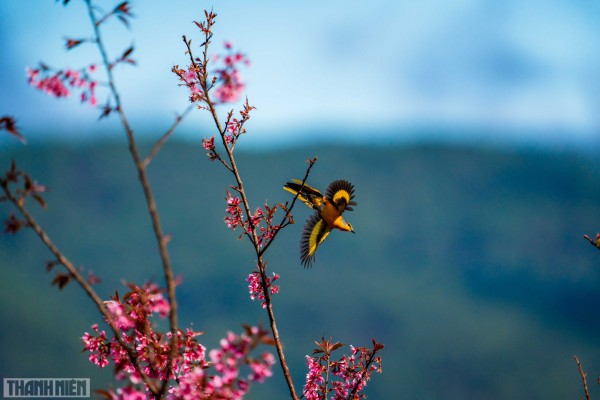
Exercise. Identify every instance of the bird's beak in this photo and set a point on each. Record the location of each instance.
(352, 230)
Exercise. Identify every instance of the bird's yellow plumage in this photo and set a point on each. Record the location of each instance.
(329, 208)
(315, 232)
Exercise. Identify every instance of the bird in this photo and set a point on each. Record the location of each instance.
(329, 208)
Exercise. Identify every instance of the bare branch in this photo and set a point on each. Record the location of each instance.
(583, 378)
(288, 211)
(160, 237)
(595, 243)
(158, 145)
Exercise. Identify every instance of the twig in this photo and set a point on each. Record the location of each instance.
(326, 391)
(32, 223)
(160, 237)
(158, 145)
(592, 242)
(311, 162)
(583, 378)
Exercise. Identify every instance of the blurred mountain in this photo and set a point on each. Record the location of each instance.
(468, 263)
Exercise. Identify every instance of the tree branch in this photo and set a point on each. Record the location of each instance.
(202, 77)
(583, 378)
(139, 164)
(158, 145)
(288, 211)
(85, 285)
(595, 243)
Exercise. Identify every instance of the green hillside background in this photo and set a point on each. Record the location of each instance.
(468, 262)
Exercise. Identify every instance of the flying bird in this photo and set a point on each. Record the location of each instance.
(329, 208)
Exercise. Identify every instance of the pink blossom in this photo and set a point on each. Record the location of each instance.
(261, 369)
(208, 144)
(57, 84)
(230, 91)
(156, 302)
(352, 372)
(190, 75)
(233, 127)
(314, 379)
(234, 217)
(190, 365)
(256, 217)
(32, 74)
(230, 84)
(97, 346)
(255, 286)
(129, 393)
(119, 314)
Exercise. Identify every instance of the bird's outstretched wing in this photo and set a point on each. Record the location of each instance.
(315, 231)
(310, 196)
(341, 193)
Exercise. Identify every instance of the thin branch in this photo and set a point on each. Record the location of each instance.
(89, 290)
(216, 156)
(160, 237)
(273, 324)
(595, 243)
(203, 75)
(158, 145)
(288, 211)
(583, 378)
(327, 375)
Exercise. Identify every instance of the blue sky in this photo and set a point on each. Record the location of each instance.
(360, 69)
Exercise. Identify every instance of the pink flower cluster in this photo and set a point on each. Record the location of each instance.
(255, 286)
(190, 368)
(227, 81)
(190, 79)
(233, 130)
(260, 221)
(229, 382)
(209, 144)
(132, 315)
(60, 84)
(230, 83)
(353, 372)
(234, 216)
(235, 127)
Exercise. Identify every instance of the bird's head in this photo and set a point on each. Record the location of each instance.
(351, 228)
(346, 226)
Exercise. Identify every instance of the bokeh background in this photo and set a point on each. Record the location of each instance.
(470, 130)
(360, 71)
